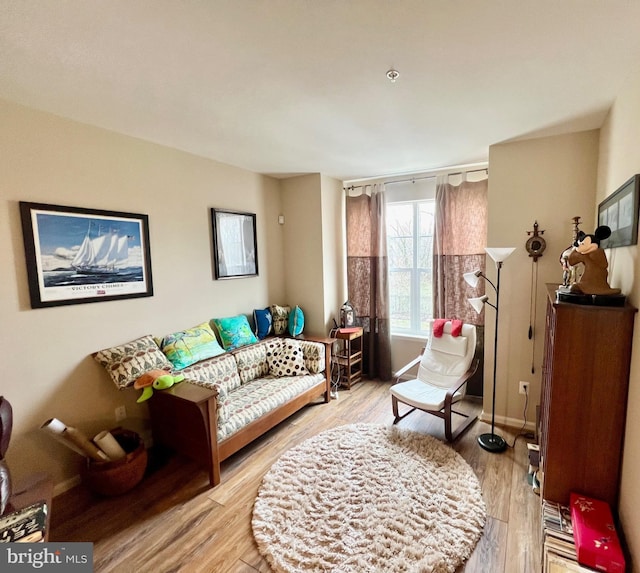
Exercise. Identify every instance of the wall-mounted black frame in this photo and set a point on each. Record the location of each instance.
(619, 211)
(77, 255)
(235, 246)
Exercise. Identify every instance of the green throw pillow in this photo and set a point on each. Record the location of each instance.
(234, 331)
(187, 347)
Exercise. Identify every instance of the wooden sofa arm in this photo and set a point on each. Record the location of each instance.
(184, 418)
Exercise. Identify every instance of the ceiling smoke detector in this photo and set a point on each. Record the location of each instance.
(393, 75)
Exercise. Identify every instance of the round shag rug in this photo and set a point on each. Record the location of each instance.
(365, 498)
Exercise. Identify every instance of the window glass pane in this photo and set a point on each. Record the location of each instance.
(425, 253)
(400, 299)
(400, 220)
(410, 251)
(426, 299)
(426, 210)
(400, 252)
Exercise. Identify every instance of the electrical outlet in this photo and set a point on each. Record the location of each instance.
(524, 387)
(121, 413)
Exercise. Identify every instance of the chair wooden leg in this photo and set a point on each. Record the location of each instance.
(396, 413)
(448, 415)
(447, 422)
(394, 408)
(464, 426)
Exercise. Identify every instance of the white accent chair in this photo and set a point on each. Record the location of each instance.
(445, 366)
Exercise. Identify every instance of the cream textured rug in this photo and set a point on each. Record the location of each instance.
(368, 498)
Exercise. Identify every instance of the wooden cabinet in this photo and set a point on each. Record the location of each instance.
(349, 356)
(585, 378)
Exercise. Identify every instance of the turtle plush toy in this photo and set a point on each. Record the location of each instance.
(155, 380)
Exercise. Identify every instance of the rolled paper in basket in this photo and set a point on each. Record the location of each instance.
(74, 439)
(109, 445)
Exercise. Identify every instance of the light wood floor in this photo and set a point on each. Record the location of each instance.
(173, 522)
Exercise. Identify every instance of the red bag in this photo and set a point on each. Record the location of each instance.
(594, 532)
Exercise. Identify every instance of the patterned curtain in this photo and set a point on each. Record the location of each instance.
(458, 247)
(367, 283)
(460, 235)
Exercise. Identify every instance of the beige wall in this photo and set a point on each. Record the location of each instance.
(550, 180)
(301, 204)
(48, 371)
(313, 267)
(619, 160)
(334, 264)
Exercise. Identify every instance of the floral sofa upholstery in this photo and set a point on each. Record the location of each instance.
(229, 400)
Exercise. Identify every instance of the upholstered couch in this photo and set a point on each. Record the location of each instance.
(229, 400)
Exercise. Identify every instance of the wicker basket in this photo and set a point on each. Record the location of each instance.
(120, 476)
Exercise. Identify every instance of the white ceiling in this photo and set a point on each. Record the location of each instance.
(298, 86)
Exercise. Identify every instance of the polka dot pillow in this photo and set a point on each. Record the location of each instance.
(286, 359)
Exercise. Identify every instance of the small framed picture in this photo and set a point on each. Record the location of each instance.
(235, 247)
(77, 255)
(619, 212)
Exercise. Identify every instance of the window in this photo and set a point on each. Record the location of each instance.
(410, 252)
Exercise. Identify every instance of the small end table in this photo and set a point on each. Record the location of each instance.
(349, 357)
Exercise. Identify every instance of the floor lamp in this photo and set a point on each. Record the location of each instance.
(490, 442)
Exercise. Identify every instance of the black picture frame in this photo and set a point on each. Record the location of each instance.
(76, 255)
(235, 245)
(619, 212)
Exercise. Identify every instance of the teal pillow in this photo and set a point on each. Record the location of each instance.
(187, 347)
(234, 331)
(296, 321)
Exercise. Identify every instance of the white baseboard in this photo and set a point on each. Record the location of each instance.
(508, 422)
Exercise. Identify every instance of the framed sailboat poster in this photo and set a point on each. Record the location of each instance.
(77, 255)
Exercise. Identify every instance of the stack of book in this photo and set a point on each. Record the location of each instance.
(557, 534)
(25, 525)
(584, 529)
(559, 549)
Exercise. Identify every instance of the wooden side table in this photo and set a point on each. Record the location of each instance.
(349, 357)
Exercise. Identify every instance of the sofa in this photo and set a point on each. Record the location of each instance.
(231, 399)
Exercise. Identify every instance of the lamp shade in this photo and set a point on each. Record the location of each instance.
(472, 278)
(499, 254)
(478, 303)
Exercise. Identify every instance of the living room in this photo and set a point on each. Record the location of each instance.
(52, 159)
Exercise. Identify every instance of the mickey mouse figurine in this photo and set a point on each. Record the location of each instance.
(587, 251)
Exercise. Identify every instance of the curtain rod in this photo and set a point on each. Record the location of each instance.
(414, 179)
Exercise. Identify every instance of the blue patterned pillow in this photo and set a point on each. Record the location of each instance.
(263, 320)
(187, 347)
(296, 321)
(234, 331)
